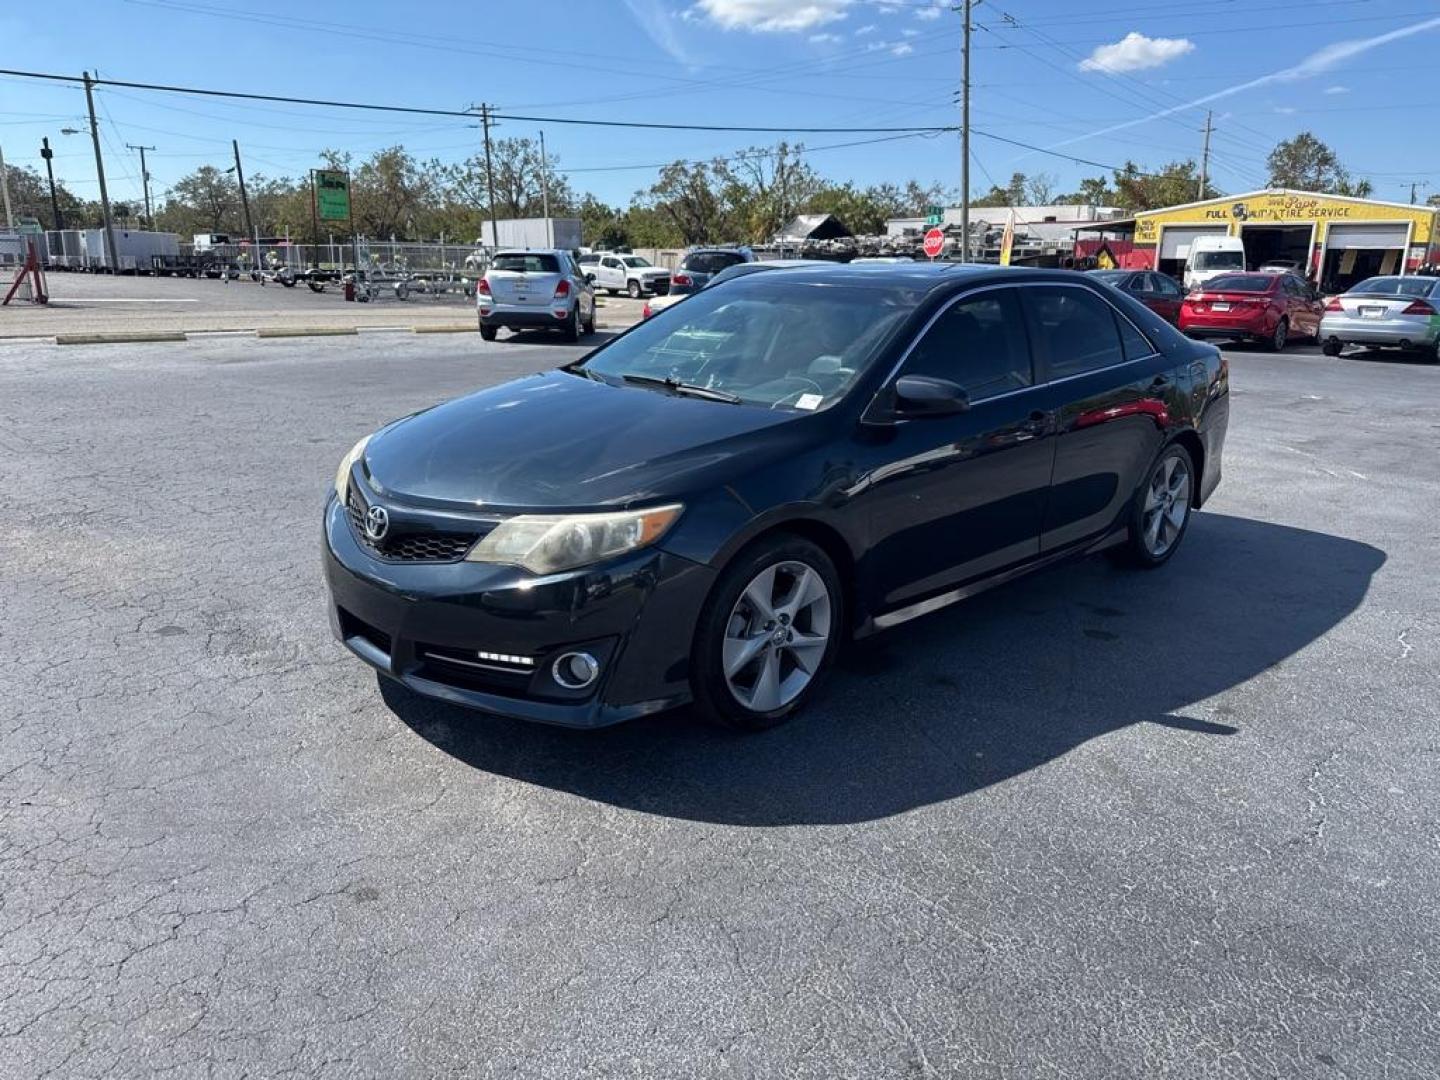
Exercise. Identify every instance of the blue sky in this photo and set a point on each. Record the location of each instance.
(1098, 80)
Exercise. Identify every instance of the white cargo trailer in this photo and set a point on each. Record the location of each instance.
(532, 233)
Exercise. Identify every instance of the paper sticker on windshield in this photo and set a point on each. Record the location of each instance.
(808, 401)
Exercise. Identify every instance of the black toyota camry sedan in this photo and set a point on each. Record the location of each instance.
(702, 508)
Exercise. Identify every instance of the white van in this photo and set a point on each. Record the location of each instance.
(1212, 255)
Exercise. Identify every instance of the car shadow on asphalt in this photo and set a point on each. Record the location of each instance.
(968, 697)
(550, 337)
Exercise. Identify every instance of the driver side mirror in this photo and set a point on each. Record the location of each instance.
(925, 395)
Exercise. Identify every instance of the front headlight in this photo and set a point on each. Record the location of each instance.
(549, 543)
(342, 474)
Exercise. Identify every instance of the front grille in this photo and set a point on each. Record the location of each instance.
(402, 545)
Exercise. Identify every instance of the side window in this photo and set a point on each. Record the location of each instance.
(1167, 287)
(979, 343)
(1135, 343)
(1074, 331)
(611, 264)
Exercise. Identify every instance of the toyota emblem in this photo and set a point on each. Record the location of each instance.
(377, 522)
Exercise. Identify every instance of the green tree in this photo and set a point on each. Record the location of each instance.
(1176, 182)
(30, 197)
(207, 200)
(1307, 164)
(687, 196)
(519, 187)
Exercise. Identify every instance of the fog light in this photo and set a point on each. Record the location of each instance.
(575, 670)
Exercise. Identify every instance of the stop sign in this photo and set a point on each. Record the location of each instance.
(934, 242)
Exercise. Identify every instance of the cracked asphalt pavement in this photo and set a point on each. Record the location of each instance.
(1094, 824)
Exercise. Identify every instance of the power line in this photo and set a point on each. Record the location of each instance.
(239, 95)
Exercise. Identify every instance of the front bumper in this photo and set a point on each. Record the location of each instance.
(1419, 330)
(425, 624)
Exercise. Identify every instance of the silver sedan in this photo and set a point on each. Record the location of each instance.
(1385, 312)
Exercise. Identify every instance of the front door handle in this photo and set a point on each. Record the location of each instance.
(1035, 425)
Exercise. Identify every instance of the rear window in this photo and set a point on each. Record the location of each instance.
(711, 262)
(1395, 286)
(527, 262)
(1241, 283)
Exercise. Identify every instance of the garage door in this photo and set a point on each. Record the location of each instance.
(1175, 239)
(1384, 237)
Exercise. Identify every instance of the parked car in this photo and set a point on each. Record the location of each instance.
(701, 264)
(1281, 266)
(1158, 292)
(1269, 308)
(1213, 255)
(704, 507)
(744, 269)
(629, 274)
(1385, 312)
(535, 290)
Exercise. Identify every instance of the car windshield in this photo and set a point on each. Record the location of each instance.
(526, 262)
(1395, 286)
(1241, 283)
(730, 273)
(1220, 260)
(711, 262)
(791, 345)
(635, 260)
(1111, 277)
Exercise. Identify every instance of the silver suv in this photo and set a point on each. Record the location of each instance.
(539, 289)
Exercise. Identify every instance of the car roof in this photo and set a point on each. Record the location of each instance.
(923, 277)
(531, 251)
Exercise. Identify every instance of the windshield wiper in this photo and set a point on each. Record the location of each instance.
(673, 384)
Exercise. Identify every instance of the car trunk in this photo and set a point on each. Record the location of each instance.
(1378, 305)
(1228, 302)
(530, 279)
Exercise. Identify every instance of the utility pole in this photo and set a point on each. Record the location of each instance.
(1415, 184)
(965, 141)
(111, 255)
(1204, 160)
(48, 154)
(5, 190)
(545, 193)
(489, 177)
(144, 180)
(245, 202)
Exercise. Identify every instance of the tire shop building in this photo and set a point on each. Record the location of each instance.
(1337, 240)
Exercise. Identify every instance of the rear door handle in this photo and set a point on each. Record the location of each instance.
(1159, 382)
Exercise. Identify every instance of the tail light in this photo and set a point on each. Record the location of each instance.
(1333, 304)
(681, 278)
(1419, 307)
(562, 290)
(482, 287)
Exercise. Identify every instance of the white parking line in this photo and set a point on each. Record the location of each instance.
(123, 300)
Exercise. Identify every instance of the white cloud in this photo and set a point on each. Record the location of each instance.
(910, 31)
(887, 9)
(824, 39)
(658, 24)
(903, 49)
(772, 16)
(1285, 110)
(1136, 52)
(868, 28)
(1337, 89)
(928, 13)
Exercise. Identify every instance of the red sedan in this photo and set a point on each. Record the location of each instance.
(1268, 308)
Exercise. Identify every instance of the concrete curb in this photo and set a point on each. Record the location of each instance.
(448, 328)
(119, 337)
(306, 331)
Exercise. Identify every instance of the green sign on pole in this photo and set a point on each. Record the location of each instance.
(934, 215)
(332, 195)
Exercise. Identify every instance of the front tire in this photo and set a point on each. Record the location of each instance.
(768, 634)
(1161, 510)
(634, 290)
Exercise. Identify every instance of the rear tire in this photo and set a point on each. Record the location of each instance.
(487, 333)
(571, 329)
(768, 634)
(1160, 511)
(589, 324)
(1277, 341)
(1331, 347)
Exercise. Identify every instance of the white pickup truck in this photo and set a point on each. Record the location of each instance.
(625, 273)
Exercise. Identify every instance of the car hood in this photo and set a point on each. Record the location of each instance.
(559, 441)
